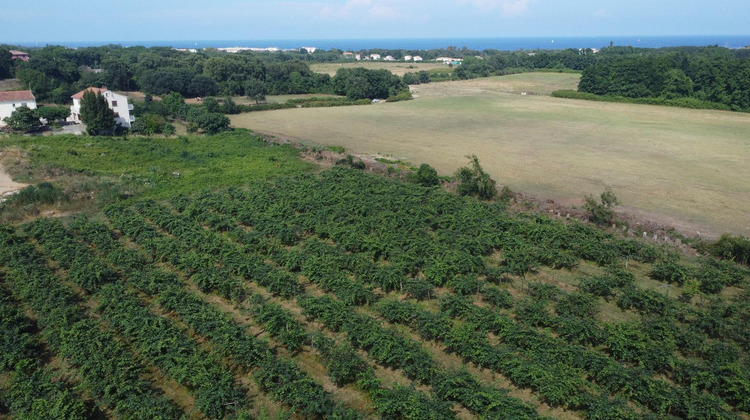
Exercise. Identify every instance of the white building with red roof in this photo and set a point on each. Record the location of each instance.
(117, 103)
(11, 100)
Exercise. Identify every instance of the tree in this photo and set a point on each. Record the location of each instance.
(96, 114)
(6, 64)
(601, 213)
(23, 120)
(256, 89)
(53, 113)
(474, 181)
(175, 104)
(426, 176)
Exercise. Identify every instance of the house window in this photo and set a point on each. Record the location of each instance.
(117, 115)
(23, 104)
(114, 103)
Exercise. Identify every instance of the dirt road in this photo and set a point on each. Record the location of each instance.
(7, 186)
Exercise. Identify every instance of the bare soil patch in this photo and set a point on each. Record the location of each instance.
(7, 185)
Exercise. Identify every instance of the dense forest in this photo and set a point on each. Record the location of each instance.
(713, 75)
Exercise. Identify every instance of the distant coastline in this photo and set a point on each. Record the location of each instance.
(510, 44)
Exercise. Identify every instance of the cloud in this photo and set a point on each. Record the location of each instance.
(510, 8)
(376, 9)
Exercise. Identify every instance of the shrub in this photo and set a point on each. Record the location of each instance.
(601, 213)
(426, 176)
(474, 181)
(42, 193)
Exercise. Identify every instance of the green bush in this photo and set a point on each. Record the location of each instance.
(425, 176)
(42, 193)
(474, 181)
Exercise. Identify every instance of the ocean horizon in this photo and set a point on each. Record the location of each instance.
(506, 44)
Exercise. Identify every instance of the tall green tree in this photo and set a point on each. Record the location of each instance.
(95, 113)
(6, 64)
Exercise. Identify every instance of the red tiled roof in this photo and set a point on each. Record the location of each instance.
(17, 95)
(16, 52)
(79, 95)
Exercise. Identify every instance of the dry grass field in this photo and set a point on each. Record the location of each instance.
(10, 84)
(395, 67)
(686, 168)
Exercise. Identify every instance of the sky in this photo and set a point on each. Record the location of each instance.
(147, 20)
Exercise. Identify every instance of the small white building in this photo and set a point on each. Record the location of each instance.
(389, 58)
(417, 58)
(117, 103)
(407, 58)
(374, 56)
(13, 99)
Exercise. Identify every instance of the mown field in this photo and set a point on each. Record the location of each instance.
(348, 295)
(398, 68)
(686, 168)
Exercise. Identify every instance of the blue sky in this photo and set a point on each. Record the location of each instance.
(140, 20)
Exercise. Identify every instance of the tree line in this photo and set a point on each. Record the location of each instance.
(54, 73)
(715, 75)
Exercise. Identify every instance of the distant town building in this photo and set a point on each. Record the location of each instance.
(389, 58)
(349, 54)
(190, 50)
(310, 50)
(358, 57)
(374, 56)
(19, 55)
(450, 60)
(417, 58)
(11, 100)
(117, 103)
(407, 58)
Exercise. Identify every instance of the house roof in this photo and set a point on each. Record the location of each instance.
(79, 95)
(16, 52)
(17, 95)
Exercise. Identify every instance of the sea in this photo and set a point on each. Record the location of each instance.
(506, 44)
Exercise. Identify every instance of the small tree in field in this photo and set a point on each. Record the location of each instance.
(96, 114)
(601, 213)
(475, 181)
(256, 89)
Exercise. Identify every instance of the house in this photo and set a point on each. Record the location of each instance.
(450, 60)
(13, 99)
(117, 103)
(19, 55)
(417, 58)
(374, 56)
(407, 58)
(358, 57)
(389, 58)
(348, 54)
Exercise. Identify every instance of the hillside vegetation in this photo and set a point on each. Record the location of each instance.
(350, 295)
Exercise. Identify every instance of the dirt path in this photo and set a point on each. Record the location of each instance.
(7, 186)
